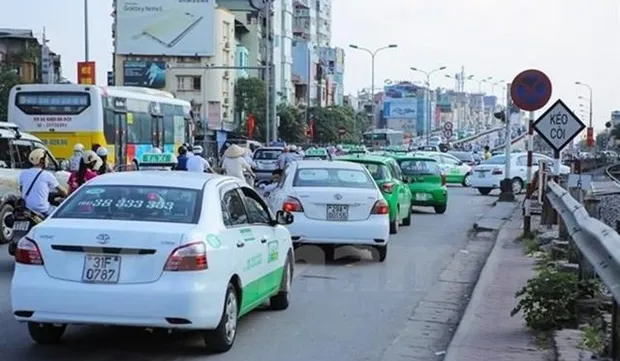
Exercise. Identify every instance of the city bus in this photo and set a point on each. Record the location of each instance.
(383, 138)
(128, 121)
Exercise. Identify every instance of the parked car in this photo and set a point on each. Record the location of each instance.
(488, 175)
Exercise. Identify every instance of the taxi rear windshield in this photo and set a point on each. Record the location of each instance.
(133, 203)
(267, 154)
(333, 177)
(419, 167)
(377, 171)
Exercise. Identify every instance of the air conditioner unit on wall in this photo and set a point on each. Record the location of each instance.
(227, 45)
(226, 74)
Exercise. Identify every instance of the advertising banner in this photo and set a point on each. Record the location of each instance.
(143, 73)
(165, 27)
(404, 108)
(86, 73)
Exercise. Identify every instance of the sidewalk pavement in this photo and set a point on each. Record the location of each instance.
(486, 331)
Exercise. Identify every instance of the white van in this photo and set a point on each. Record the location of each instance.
(15, 147)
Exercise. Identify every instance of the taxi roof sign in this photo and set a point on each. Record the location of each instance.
(316, 152)
(158, 158)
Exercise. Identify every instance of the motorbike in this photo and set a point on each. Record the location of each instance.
(23, 220)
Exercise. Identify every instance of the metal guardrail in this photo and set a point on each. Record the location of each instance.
(613, 171)
(596, 241)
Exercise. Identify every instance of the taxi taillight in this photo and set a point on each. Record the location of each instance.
(292, 204)
(27, 252)
(380, 207)
(189, 257)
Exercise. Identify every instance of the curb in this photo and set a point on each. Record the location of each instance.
(460, 332)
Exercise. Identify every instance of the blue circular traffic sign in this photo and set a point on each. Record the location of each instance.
(531, 90)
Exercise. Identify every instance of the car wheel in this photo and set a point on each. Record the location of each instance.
(517, 185)
(380, 254)
(466, 180)
(440, 209)
(407, 220)
(46, 333)
(283, 298)
(484, 191)
(7, 233)
(223, 337)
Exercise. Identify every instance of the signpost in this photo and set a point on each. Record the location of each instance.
(558, 126)
(530, 90)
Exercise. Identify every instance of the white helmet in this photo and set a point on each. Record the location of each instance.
(78, 147)
(293, 148)
(89, 157)
(102, 152)
(36, 156)
(198, 149)
(156, 150)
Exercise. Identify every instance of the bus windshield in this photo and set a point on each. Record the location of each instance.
(383, 138)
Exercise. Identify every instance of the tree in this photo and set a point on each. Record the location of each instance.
(292, 124)
(8, 79)
(329, 120)
(251, 99)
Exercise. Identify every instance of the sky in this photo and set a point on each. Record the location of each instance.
(569, 40)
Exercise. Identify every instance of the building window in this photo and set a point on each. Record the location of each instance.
(189, 83)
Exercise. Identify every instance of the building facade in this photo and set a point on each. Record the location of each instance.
(211, 91)
(332, 62)
(31, 59)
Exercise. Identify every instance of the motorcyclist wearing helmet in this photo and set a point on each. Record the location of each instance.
(74, 161)
(196, 163)
(36, 183)
(182, 158)
(89, 165)
(105, 166)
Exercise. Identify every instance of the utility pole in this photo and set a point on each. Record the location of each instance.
(270, 79)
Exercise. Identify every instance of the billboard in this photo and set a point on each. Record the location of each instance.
(400, 101)
(86, 73)
(165, 27)
(144, 73)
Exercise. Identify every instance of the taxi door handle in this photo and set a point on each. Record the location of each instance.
(263, 240)
(240, 244)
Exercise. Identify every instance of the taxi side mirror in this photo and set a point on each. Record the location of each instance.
(284, 218)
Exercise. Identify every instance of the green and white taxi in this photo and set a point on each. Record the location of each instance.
(165, 250)
(316, 154)
(15, 148)
(456, 171)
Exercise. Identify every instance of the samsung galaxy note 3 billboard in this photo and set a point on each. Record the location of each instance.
(165, 27)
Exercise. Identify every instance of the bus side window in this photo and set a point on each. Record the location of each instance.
(5, 154)
(109, 127)
(168, 123)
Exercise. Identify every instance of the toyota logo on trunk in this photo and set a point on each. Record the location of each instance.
(103, 239)
(338, 197)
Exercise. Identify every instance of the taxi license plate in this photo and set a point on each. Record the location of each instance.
(421, 197)
(99, 268)
(21, 226)
(336, 212)
(481, 175)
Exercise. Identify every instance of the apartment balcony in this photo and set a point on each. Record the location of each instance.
(303, 4)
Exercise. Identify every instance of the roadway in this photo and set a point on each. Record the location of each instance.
(351, 310)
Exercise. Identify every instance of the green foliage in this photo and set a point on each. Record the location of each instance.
(549, 300)
(592, 340)
(8, 79)
(328, 120)
(251, 98)
(292, 124)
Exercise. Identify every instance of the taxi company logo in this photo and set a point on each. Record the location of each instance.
(338, 197)
(103, 239)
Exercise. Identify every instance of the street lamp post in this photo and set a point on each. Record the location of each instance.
(428, 109)
(373, 53)
(590, 109)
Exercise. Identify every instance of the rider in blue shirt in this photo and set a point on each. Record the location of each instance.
(182, 158)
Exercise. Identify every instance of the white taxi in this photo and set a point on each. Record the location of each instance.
(170, 250)
(334, 203)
